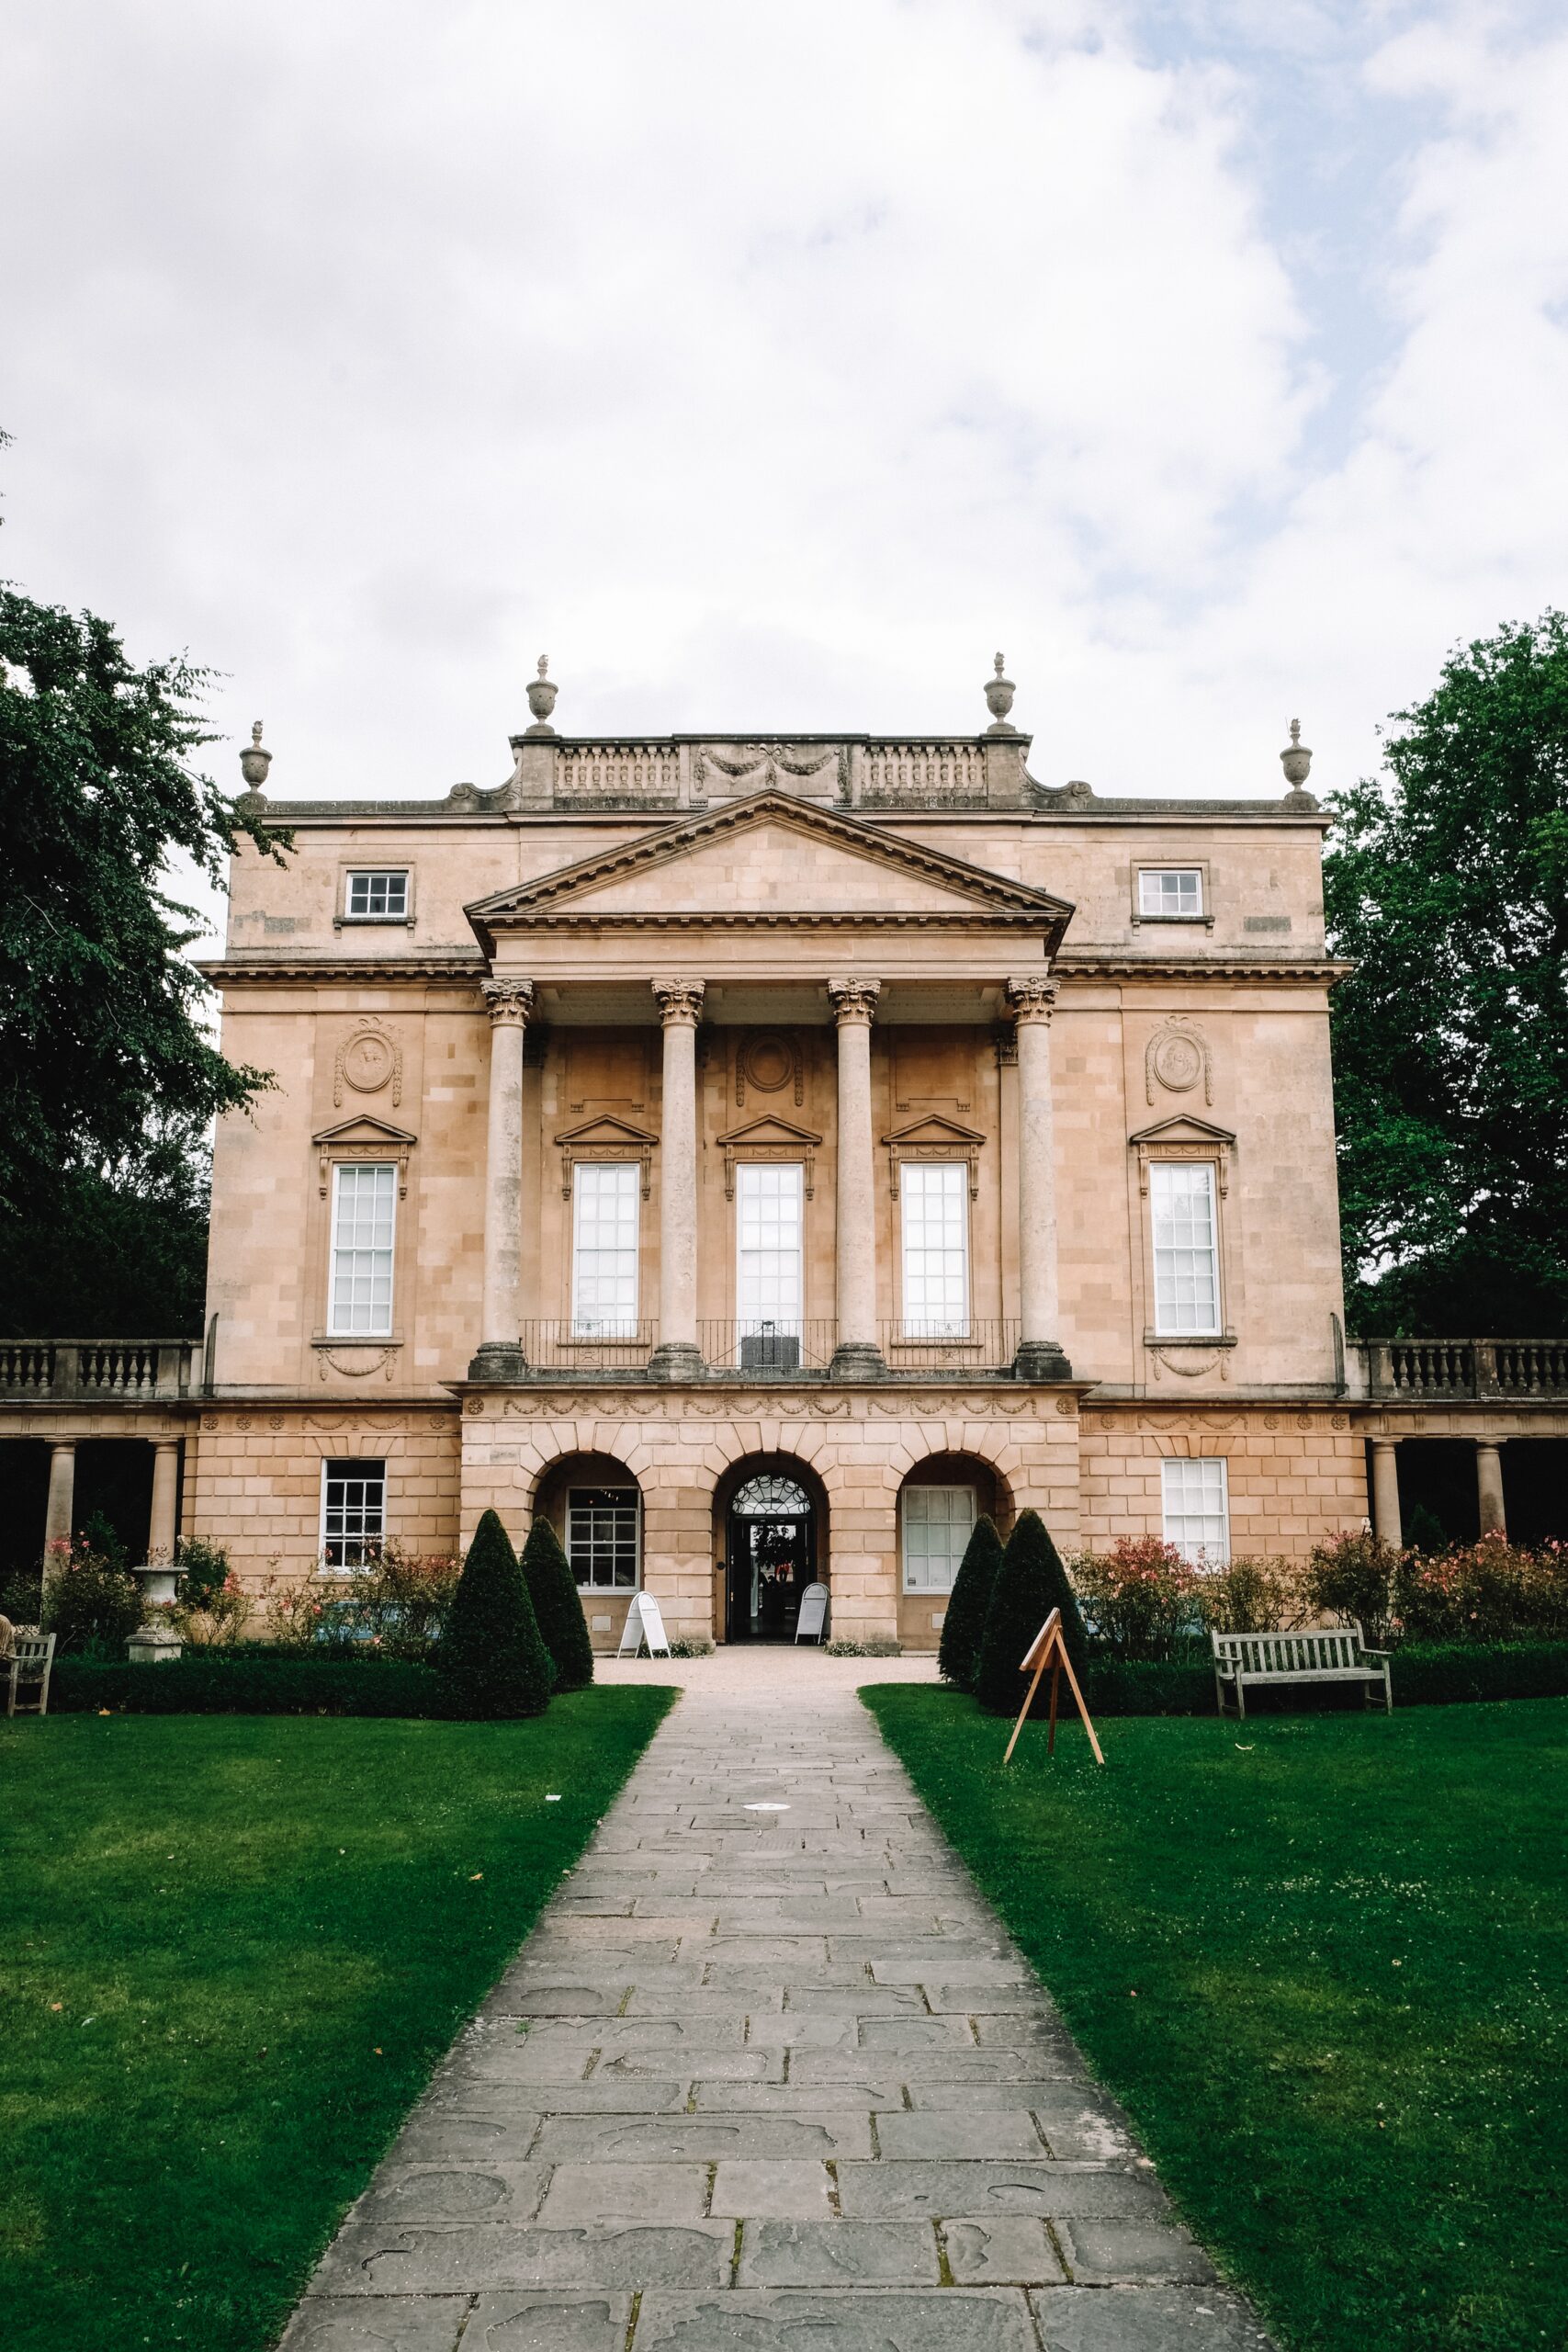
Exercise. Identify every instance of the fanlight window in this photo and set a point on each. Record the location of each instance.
(768, 1497)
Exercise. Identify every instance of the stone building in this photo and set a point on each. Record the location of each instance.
(762, 1156)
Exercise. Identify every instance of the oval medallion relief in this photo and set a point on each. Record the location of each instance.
(1178, 1063)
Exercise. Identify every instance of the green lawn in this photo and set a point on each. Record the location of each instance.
(233, 1950)
(1324, 1962)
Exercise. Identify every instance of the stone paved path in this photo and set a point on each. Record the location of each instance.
(767, 2080)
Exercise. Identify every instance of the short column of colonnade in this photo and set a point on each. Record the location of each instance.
(1387, 1522)
(60, 1510)
(511, 1004)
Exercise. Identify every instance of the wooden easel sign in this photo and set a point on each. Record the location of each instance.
(645, 1622)
(1048, 1649)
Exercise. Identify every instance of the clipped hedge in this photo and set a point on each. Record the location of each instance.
(1442, 1674)
(250, 1682)
(1424, 1674)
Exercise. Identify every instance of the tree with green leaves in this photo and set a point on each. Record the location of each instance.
(1446, 886)
(1030, 1583)
(958, 1653)
(109, 1078)
(492, 1656)
(558, 1606)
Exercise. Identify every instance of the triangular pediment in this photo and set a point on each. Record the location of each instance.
(934, 1127)
(363, 1129)
(604, 1129)
(1183, 1130)
(769, 1129)
(763, 858)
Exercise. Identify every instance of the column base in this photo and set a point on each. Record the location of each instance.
(857, 1360)
(499, 1360)
(676, 1359)
(1040, 1360)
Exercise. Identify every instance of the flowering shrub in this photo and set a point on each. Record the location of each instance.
(1353, 1575)
(396, 1605)
(92, 1603)
(1139, 1597)
(1251, 1597)
(1488, 1591)
(211, 1613)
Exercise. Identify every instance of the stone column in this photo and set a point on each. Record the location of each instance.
(1387, 1523)
(678, 1356)
(857, 1355)
(163, 1528)
(1040, 1355)
(500, 1355)
(1489, 1488)
(61, 1503)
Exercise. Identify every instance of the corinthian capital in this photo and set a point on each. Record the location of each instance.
(853, 1000)
(679, 1002)
(509, 1002)
(1031, 996)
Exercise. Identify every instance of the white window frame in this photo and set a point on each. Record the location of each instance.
(912, 1178)
(783, 1319)
(631, 1495)
(336, 1250)
(363, 1536)
(1186, 1498)
(1160, 1172)
(921, 1489)
(621, 1322)
(371, 876)
(1154, 873)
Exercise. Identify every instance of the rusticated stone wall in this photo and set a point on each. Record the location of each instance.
(1294, 1475)
(254, 1479)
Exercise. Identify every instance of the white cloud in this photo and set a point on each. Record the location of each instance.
(772, 367)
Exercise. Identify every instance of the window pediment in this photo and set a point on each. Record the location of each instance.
(769, 1137)
(606, 1137)
(935, 1137)
(362, 1138)
(1183, 1138)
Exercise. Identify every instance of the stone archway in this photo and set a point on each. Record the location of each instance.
(594, 1503)
(770, 1542)
(939, 1498)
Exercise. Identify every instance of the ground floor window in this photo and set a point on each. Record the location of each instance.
(354, 1513)
(1197, 1510)
(938, 1523)
(602, 1537)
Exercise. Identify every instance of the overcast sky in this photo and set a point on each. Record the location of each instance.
(771, 366)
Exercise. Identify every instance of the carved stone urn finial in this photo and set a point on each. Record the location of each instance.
(999, 691)
(542, 695)
(254, 761)
(1296, 761)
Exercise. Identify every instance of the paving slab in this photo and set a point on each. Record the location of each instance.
(767, 2081)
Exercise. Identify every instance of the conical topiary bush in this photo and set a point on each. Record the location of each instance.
(958, 1653)
(1030, 1583)
(557, 1607)
(492, 1658)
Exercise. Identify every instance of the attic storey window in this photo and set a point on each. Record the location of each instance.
(377, 894)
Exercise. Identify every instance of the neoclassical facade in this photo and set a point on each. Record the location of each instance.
(762, 1156)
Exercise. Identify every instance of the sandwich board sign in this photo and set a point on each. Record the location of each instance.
(1048, 1649)
(813, 1614)
(645, 1622)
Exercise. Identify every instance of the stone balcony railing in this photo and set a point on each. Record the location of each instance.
(798, 1348)
(72, 1371)
(1445, 1371)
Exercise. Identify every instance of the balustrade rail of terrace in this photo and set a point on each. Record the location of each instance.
(69, 1372)
(1447, 1370)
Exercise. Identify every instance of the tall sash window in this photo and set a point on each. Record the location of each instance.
(605, 1202)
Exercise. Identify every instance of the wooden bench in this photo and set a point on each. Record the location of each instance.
(29, 1662)
(1261, 1660)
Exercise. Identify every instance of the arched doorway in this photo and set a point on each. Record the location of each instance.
(771, 1536)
